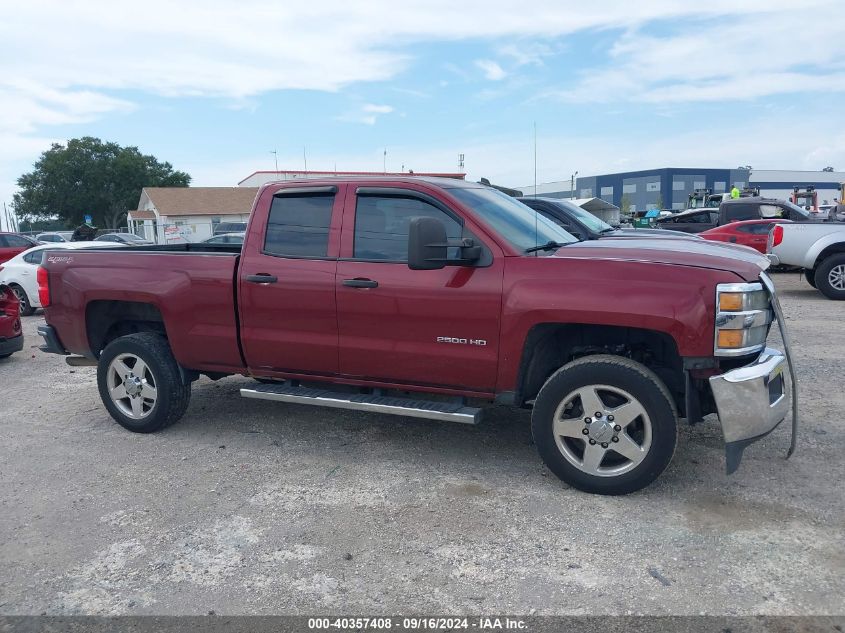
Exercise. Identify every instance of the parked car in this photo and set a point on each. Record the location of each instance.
(736, 210)
(11, 335)
(128, 239)
(13, 243)
(54, 237)
(229, 227)
(358, 290)
(818, 248)
(586, 226)
(753, 233)
(19, 273)
(227, 238)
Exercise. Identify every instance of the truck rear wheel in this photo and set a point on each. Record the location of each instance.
(605, 424)
(140, 383)
(830, 277)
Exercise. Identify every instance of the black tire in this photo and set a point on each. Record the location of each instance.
(810, 276)
(833, 266)
(26, 308)
(172, 395)
(626, 376)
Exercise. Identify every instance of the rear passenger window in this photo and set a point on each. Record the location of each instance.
(16, 241)
(33, 258)
(699, 218)
(762, 229)
(735, 212)
(771, 211)
(298, 225)
(381, 226)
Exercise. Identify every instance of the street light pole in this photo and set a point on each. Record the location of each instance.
(572, 186)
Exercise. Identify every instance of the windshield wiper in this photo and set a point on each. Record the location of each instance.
(548, 246)
(609, 229)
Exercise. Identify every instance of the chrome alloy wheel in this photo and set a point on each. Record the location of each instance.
(22, 300)
(602, 430)
(132, 386)
(836, 277)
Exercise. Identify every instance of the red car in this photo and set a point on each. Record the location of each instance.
(11, 337)
(13, 243)
(753, 233)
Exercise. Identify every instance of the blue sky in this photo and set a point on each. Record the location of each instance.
(213, 87)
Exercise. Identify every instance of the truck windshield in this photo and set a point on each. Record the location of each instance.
(592, 222)
(795, 208)
(518, 224)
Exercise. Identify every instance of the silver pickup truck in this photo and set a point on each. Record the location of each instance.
(817, 248)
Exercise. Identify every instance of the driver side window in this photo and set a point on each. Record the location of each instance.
(382, 223)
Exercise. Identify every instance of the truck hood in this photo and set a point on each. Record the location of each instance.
(742, 260)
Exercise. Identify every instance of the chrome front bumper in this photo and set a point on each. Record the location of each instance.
(752, 400)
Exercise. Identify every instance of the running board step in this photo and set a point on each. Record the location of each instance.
(443, 411)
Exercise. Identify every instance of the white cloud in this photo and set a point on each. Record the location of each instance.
(723, 60)
(205, 48)
(491, 69)
(377, 109)
(526, 53)
(367, 114)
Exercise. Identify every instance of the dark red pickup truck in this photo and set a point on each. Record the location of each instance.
(354, 293)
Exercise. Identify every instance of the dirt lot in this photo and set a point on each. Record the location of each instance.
(255, 507)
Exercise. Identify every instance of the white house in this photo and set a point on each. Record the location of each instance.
(174, 215)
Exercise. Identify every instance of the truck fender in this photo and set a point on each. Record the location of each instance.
(816, 249)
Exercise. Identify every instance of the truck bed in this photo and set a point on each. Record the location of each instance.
(803, 244)
(189, 289)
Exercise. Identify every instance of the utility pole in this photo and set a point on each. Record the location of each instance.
(11, 219)
(385, 161)
(276, 156)
(572, 186)
(304, 158)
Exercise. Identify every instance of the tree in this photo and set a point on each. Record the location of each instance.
(90, 177)
(659, 202)
(828, 169)
(625, 204)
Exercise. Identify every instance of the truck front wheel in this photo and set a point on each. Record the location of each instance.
(810, 276)
(830, 277)
(140, 383)
(605, 424)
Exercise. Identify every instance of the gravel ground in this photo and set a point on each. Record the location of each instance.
(248, 506)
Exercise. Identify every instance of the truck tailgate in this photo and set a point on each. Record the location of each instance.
(193, 291)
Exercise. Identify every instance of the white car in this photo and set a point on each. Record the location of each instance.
(19, 272)
(54, 237)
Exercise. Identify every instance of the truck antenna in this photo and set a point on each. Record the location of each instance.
(536, 213)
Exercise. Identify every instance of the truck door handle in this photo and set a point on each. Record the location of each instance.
(262, 278)
(360, 283)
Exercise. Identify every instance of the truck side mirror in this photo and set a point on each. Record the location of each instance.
(426, 244)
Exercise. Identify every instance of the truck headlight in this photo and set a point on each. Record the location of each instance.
(743, 317)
